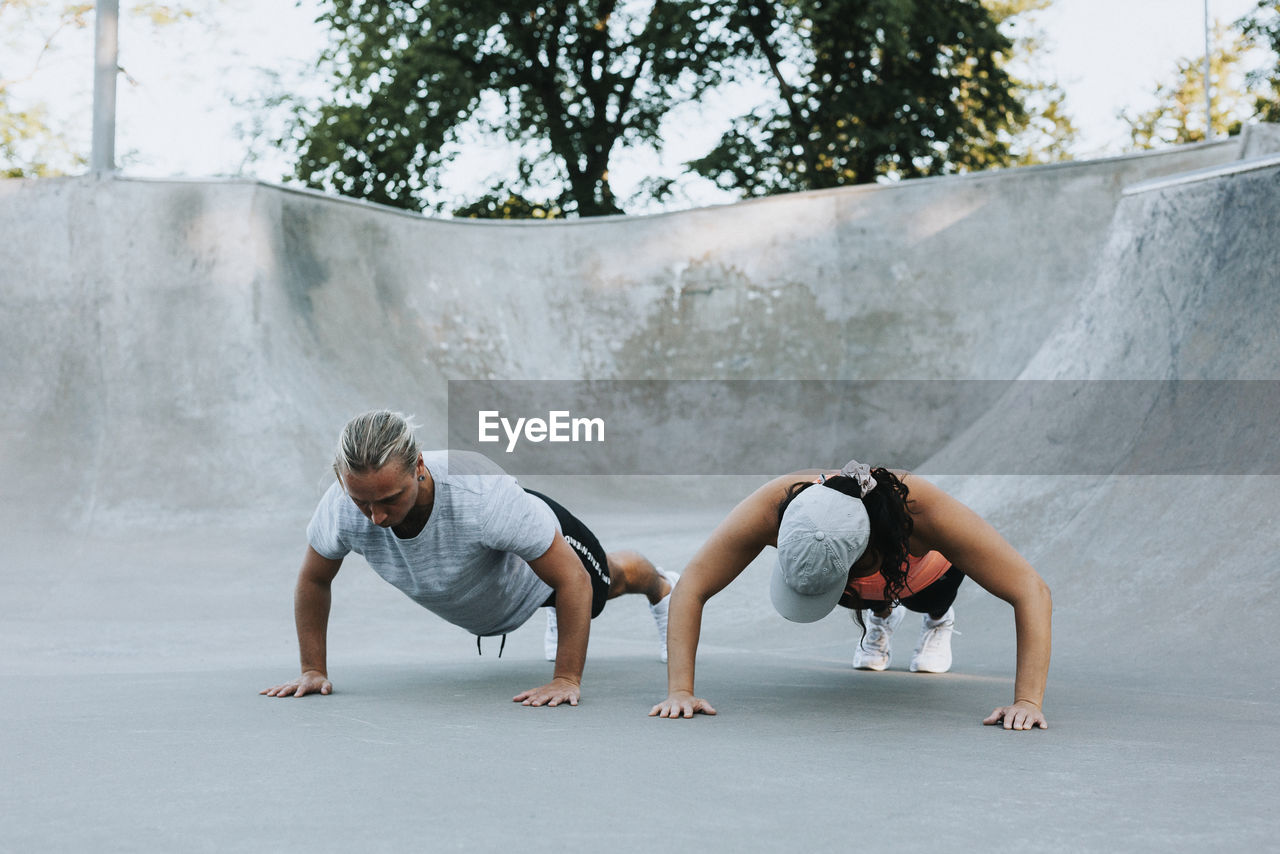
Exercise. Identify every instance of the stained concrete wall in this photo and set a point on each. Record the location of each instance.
(161, 330)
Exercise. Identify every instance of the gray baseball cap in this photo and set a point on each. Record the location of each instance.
(822, 534)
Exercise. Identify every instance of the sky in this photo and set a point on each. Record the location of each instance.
(185, 101)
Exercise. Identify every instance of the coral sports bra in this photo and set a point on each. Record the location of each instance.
(921, 572)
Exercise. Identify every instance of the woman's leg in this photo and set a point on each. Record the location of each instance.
(933, 652)
(936, 599)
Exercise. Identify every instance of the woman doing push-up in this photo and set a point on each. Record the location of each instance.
(878, 542)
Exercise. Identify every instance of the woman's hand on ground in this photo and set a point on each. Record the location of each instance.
(554, 693)
(681, 704)
(1021, 715)
(310, 682)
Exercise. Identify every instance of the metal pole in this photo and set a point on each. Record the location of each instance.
(1208, 83)
(106, 59)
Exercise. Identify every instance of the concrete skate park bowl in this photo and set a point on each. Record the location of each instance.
(178, 357)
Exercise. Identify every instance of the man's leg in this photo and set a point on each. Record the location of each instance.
(612, 574)
(632, 572)
(629, 572)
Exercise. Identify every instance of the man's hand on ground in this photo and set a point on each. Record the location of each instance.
(310, 682)
(554, 693)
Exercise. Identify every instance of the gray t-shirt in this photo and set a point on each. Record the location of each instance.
(469, 564)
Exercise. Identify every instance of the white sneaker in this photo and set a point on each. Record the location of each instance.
(933, 655)
(659, 612)
(551, 640)
(874, 652)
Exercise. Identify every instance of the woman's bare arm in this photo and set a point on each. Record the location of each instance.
(735, 542)
(970, 543)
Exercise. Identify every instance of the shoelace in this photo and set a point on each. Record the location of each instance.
(875, 638)
(933, 635)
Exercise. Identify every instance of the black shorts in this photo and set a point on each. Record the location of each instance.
(590, 552)
(934, 599)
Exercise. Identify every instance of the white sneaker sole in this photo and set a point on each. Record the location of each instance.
(915, 668)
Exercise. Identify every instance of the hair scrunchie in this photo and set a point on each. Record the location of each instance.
(861, 472)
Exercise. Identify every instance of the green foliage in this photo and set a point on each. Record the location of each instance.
(32, 143)
(29, 147)
(1262, 30)
(162, 14)
(1048, 133)
(1242, 90)
(1178, 115)
(866, 88)
(870, 88)
(567, 80)
(503, 203)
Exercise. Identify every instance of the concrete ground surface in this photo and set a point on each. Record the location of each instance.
(179, 356)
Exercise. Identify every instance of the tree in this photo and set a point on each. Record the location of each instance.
(567, 81)
(1178, 115)
(503, 203)
(1261, 28)
(30, 144)
(29, 147)
(1048, 133)
(33, 143)
(870, 88)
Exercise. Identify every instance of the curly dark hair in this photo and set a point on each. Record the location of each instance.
(891, 522)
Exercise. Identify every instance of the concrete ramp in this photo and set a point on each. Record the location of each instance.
(178, 357)
(241, 324)
(1182, 312)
